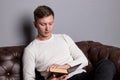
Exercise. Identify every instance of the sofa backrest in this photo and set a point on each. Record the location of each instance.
(10, 63)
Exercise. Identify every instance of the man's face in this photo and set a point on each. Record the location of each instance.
(45, 26)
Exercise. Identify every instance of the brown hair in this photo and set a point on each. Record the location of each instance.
(42, 11)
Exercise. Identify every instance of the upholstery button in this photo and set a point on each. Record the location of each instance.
(8, 74)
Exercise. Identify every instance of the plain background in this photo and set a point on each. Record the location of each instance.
(82, 20)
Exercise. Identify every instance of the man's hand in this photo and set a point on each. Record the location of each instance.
(64, 77)
(53, 66)
(54, 77)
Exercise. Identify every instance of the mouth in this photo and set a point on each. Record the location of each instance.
(47, 32)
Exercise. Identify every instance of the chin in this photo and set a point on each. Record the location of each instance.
(47, 35)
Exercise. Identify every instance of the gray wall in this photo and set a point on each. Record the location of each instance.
(97, 20)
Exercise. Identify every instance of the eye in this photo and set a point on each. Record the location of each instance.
(42, 24)
(50, 23)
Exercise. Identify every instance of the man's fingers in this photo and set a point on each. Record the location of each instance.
(54, 76)
(64, 77)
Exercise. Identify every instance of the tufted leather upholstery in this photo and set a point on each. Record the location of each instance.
(11, 59)
(96, 51)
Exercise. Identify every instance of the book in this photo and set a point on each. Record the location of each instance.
(72, 69)
(61, 71)
(58, 72)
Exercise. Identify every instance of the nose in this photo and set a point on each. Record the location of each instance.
(47, 27)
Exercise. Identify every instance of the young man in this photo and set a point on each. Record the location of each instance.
(50, 51)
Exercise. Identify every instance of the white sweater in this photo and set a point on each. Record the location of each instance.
(59, 49)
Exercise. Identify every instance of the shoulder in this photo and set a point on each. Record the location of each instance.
(64, 37)
(61, 35)
(31, 45)
(30, 49)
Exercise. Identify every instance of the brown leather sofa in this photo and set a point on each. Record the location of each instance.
(11, 59)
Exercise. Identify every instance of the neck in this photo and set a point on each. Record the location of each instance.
(44, 37)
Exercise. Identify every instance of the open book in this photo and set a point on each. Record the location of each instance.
(61, 71)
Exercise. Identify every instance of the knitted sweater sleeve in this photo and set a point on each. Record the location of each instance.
(28, 65)
(76, 53)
